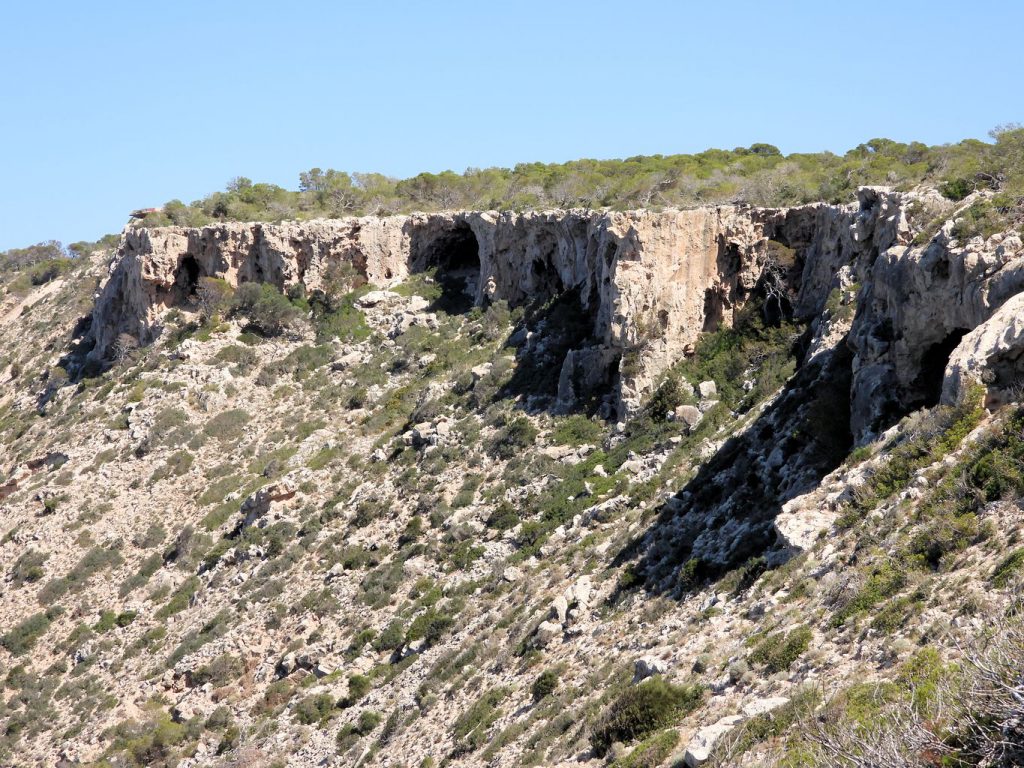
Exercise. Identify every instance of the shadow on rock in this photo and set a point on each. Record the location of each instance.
(723, 518)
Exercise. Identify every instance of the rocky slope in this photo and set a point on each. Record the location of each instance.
(394, 536)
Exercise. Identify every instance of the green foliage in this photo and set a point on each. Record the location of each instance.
(180, 599)
(577, 430)
(884, 580)
(151, 744)
(943, 431)
(94, 561)
(22, 636)
(470, 728)
(110, 619)
(268, 311)
(228, 426)
(148, 567)
(28, 568)
(778, 651)
(545, 684)
(430, 626)
(314, 710)
(515, 437)
(358, 687)
(219, 671)
(759, 174)
(651, 752)
(1005, 573)
(643, 709)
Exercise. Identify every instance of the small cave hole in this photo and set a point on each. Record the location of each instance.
(186, 280)
(928, 382)
(714, 310)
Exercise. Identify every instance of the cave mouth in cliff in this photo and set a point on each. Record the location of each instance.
(928, 382)
(186, 280)
(455, 255)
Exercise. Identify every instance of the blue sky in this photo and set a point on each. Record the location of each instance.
(109, 106)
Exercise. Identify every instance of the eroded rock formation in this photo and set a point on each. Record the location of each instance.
(650, 282)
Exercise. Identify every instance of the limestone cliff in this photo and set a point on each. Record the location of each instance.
(650, 282)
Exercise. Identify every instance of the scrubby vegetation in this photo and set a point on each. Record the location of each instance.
(642, 709)
(759, 174)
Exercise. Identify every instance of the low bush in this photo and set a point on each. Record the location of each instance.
(22, 636)
(643, 709)
(777, 652)
(544, 685)
(268, 310)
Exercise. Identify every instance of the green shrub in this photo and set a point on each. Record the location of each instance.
(180, 599)
(885, 580)
(545, 684)
(148, 567)
(110, 619)
(430, 626)
(517, 436)
(651, 752)
(358, 687)
(316, 709)
(94, 561)
(643, 709)
(777, 652)
(268, 310)
(1008, 569)
(219, 671)
(20, 638)
(228, 426)
(577, 430)
(470, 728)
(28, 568)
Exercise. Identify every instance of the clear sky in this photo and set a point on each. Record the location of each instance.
(108, 106)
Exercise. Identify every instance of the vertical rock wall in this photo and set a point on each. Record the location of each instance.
(652, 282)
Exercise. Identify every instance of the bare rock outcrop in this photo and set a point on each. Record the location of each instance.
(649, 283)
(917, 306)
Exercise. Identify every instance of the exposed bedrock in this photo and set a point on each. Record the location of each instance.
(650, 282)
(917, 309)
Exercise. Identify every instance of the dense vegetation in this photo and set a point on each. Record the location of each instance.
(759, 174)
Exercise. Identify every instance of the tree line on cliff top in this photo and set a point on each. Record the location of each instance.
(759, 175)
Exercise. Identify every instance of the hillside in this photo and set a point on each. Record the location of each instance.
(728, 485)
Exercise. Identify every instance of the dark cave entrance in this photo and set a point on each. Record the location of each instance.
(455, 255)
(186, 280)
(547, 282)
(928, 382)
(714, 310)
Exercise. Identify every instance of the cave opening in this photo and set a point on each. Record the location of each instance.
(928, 381)
(546, 280)
(714, 310)
(455, 255)
(186, 280)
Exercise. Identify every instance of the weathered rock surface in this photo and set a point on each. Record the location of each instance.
(650, 282)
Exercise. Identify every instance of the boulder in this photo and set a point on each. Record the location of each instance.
(763, 706)
(646, 666)
(699, 749)
(546, 632)
(689, 416)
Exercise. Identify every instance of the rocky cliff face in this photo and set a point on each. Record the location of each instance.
(364, 550)
(650, 282)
